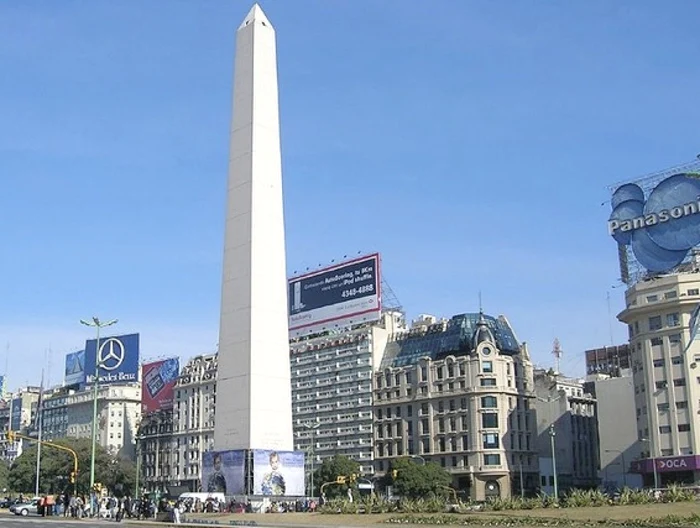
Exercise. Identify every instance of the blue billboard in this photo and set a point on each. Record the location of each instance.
(75, 368)
(223, 472)
(278, 473)
(660, 226)
(346, 293)
(118, 359)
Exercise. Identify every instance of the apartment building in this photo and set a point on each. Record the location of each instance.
(459, 393)
(566, 410)
(332, 390)
(666, 376)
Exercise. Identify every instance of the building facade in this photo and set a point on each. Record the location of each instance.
(666, 376)
(617, 429)
(459, 393)
(68, 413)
(567, 412)
(332, 390)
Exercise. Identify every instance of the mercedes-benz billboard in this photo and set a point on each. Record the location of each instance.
(347, 293)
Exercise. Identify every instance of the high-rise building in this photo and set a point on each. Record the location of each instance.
(332, 390)
(459, 393)
(566, 410)
(254, 409)
(666, 376)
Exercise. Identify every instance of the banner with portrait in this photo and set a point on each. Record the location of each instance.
(223, 472)
(278, 473)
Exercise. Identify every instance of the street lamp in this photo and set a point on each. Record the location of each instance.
(552, 434)
(418, 457)
(624, 467)
(653, 461)
(98, 325)
(313, 427)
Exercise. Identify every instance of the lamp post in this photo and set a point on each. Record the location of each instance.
(624, 467)
(313, 427)
(98, 325)
(418, 457)
(652, 455)
(522, 483)
(552, 434)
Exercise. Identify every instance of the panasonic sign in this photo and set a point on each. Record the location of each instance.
(661, 225)
(652, 219)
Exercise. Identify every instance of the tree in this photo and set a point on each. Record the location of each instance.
(417, 480)
(331, 469)
(116, 473)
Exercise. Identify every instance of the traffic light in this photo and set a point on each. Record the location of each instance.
(353, 477)
(73, 477)
(340, 479)
(10, 436)
(394, 473)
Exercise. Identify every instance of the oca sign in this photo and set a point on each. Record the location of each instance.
(673, 463)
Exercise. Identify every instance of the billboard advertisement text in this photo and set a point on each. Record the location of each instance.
(158, 382)
(335, 296)
(75, 368)
(118, 358)
(223, 472)
(278, 473)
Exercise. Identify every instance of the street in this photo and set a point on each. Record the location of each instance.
(11, 520)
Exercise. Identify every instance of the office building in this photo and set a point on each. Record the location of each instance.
(459, 393)
(608, 360)
(332, 390)
(666, 376)
(567, 411)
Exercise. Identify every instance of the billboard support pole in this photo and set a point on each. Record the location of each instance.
(96, 323)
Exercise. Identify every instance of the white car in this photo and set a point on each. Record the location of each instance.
(25, 508)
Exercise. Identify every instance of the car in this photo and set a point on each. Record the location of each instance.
(25, 508)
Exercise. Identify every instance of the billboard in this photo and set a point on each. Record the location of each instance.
(118, 358)
(278, 473)
(656, 222)
(16, 416)
(75, 368)
(223, 472)
(158, 381)
(335, 296)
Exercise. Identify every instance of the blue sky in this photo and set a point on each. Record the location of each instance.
(470, 142)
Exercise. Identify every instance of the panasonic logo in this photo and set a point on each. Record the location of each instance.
(652, 219)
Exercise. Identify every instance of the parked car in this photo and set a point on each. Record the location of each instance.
(25, 508)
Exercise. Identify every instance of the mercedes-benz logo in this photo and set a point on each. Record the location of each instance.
(111, 354)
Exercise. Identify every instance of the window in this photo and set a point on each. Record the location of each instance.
(453, 405)
(665, 429)
(694, 291)
(655, 323)
(425, 445)
(677, 360)
(490, 440)
(409, 411)
(656, 341)
(670, 294)
(462, 369)
(463, 403)
(424, 426)
(388, 412)
(674, 339)
(441, 426)
(453, 425)
(489, 420)
(441, 406)
(487, 367)
(658, 362)
(662, 407)
(679, 382)
(398, 412)
(424, 408)
(439, 373)
(492, 460)
(661, 384)
(652, 298)
(441, 443)
(673, 319)
(409, 429)
(450, 371)
(424, 374)
(488, 382)
(489, 402)
(683, 428)
(379, 414)
(682, 405)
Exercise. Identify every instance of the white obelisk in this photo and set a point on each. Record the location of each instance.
(253, 396)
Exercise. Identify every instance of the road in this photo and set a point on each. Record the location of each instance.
(11, 520)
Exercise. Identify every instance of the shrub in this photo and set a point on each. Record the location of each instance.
(676, 493)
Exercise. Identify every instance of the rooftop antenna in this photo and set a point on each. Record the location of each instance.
(557, 352)
(481, 308)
